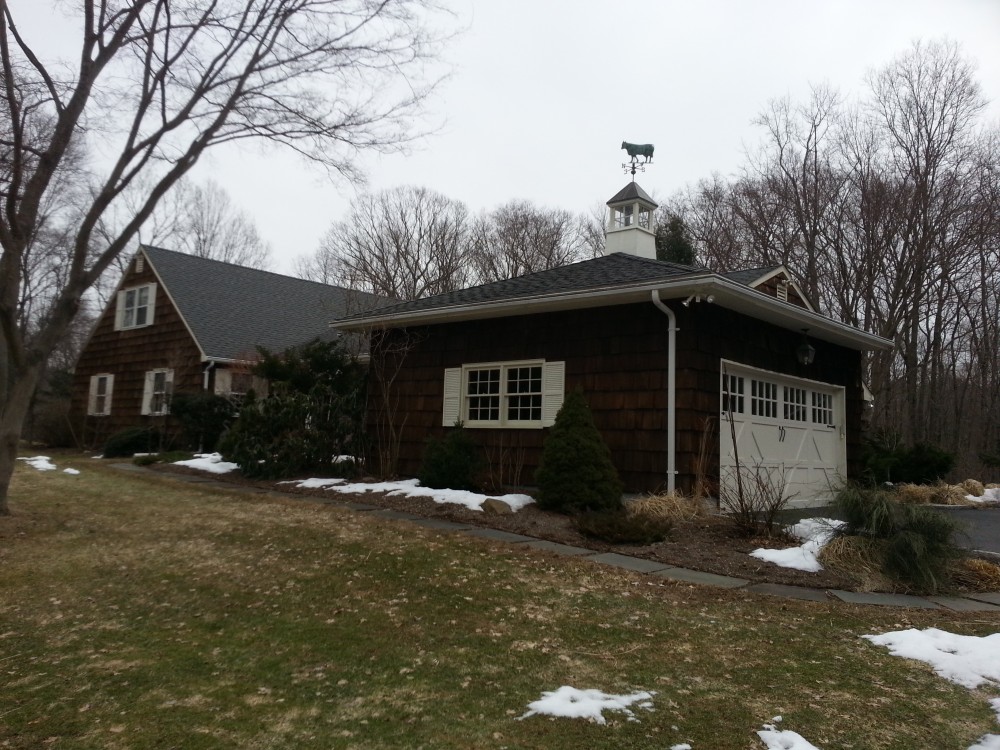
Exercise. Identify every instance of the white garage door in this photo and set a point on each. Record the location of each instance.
(785, 429)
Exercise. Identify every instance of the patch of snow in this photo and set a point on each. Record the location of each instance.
(42, 463)
(412, 488)
(571, 703)
(966, 660)
(210, 462)
(312, 484)
(682, 746)
(71, 471)
(777, 739)
(991, 495)
(816, 533)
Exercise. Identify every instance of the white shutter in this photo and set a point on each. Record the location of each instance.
(452, 409)
(147, 393)
(152, 305)
(223, 381)
(119, 310)
(109, 389)
(168, 390)
(92, 397)
(553, 389)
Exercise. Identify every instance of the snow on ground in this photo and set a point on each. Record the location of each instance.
(783, 739)
(210, 462)
(42, 463)
(991, 495)
(815, 533)
(412, 488)
(966, 660)
(572, 703)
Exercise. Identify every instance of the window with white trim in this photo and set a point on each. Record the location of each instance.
(99, 400)
(732, 394)
(504, 394)
(795, 403)
(822, 408)
(135, 307)
(157, 392)
(764, 398)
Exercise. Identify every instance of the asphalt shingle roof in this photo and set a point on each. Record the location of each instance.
(232, 309)
(616, 269)
(749, 275)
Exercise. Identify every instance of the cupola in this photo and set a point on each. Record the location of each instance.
(630, 223)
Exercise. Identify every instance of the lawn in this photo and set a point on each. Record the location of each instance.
(137, 612)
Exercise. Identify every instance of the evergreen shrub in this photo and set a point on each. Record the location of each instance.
(453, 462)
(128, 442)
(887, 459)
(203, 418)
(575, 473)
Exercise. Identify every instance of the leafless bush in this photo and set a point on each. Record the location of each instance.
(753, 496)
(504, 464)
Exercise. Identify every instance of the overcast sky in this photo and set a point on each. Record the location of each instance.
(542, 94)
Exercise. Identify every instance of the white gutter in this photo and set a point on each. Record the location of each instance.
(671, 390)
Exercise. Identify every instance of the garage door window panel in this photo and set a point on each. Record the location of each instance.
(764, 399)
(794, 404)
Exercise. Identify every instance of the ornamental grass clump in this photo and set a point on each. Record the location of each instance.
(575, 473)
(916, 543)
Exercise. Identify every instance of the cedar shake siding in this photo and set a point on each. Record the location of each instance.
(129, 355)
(617, 356)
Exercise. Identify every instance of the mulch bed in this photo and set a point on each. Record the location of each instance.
(708, 544)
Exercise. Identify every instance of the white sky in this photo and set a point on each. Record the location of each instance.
(543, 93)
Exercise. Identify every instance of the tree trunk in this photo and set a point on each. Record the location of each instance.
(15, 409)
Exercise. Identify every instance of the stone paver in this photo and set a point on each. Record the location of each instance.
(628, 563)
(396, 515)
(703, 579)
(789, 592)
(993, 598)
(884, 600)
(440, 525)
(562, 549)
(961, 604)
(500, 536)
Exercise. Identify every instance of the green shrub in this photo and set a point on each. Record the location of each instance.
(886, 459)
(203, 418)
(575, 473)
(919, 541)
(619, 527)
(315, 414)
(453, 462)
(128, 442)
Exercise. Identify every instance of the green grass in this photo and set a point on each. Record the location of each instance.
(136, 612)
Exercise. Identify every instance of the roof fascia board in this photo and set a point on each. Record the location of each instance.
(788, 277)
(738, 297)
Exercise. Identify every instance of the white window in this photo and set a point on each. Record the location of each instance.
(135, 307)
(763, 399)
(99, 401)
(732, 394)
(623, 216)
(795, 403)
(157, 391)
(822, 408)
(504, 394)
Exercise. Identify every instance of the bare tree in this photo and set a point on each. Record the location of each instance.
(164, 80)
(520, 238)
(405, 243)
(201, 220)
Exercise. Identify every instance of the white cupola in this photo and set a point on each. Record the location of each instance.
(630, 223)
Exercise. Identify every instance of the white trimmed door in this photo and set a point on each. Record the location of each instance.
(784, 427)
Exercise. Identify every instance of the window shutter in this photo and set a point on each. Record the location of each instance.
(110, 387)
(168, 388)
(119, 310)
(451, 411)
(147, 393)
(92, 397)
(152, 305)
(553, 389)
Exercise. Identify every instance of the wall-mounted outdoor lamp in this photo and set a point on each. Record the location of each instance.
(805, 352)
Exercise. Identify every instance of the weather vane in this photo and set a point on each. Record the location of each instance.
(635, 150)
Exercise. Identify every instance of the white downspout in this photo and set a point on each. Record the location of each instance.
(671, 391)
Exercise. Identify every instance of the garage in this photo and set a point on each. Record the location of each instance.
(782, 428)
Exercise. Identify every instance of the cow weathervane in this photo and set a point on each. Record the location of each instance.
(635, 150)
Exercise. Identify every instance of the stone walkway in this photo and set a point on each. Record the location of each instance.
(988, 602)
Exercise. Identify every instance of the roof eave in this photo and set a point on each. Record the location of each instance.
(729, 294)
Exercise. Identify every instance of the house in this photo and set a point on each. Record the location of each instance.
(179, 323)
(688, 373)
